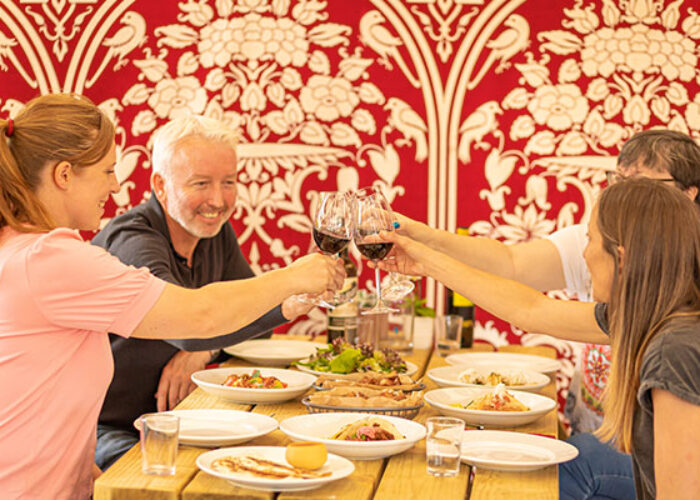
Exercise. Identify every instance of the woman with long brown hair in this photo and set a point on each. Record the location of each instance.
(60, 296)
(644, 258)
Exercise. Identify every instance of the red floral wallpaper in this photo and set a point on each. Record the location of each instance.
(499, 115)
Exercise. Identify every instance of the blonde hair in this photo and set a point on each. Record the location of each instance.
(51, 128)
(658, 228)
(165, 139)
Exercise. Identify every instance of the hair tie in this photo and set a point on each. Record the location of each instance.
(10, 127)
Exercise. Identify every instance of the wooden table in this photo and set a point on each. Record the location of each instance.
(402, 476)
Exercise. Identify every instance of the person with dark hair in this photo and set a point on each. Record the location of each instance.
(555, 263)
(60, 296)
(643, 255)
(182, 235)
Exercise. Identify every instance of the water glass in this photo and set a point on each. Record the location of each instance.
(399, 334)
(448, 333)
(443, 446)
(159, 439)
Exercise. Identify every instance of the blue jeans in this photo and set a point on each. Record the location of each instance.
(599, 472)
(112, 443)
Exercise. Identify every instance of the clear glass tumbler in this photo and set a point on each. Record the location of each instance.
(159, 440)
(443, 446)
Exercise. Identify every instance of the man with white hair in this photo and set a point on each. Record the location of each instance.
(183, 236)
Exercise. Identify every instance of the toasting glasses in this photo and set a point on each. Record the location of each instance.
(332, 232)
(372, 215)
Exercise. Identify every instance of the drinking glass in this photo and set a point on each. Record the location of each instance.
(159, 439)
(332, 232)
(448, 333)
(372, 215)
(443, 446)
(399, 286)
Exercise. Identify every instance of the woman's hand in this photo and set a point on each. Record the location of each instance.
(316, 273)
(406, 257)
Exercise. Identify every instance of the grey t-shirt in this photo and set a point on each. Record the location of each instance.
(671, 363)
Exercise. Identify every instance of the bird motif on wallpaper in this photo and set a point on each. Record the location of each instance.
(126, 39)
(379, 39)
(404, 119)
(481, 122)
(508, 43)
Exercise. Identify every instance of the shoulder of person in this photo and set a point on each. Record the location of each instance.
(676, 346)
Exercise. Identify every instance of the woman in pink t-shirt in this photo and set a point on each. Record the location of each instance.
(60, 296)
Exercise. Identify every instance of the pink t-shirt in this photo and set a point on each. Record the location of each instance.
(59, 296)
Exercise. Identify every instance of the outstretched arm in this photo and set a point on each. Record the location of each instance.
(536, 263)
(219, 308)
(514, 302)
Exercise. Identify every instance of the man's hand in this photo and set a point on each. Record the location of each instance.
(175, 382)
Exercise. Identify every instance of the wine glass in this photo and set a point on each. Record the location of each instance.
(372, 215)
(332, 232)
(399, 286)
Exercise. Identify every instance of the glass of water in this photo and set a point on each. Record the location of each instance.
(443, 446)
(448, 333)
(159, 440)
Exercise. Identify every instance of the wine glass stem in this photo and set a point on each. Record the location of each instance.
(379, 288)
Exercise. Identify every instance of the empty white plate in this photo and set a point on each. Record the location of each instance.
(268, 352)
(504, 360)
(220, 427)
(339, 468)
(443, 399)
(448, 376)
(513, 451)
(212, 381)
(320, 427)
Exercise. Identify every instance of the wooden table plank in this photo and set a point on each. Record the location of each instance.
(406, 474)
(540, 484)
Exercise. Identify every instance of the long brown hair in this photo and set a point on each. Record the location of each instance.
(51, 128)
(658, 228)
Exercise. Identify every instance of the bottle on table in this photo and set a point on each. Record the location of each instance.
(457, 304)
(342, 320)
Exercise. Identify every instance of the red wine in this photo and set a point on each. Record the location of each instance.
(328, 243)
(374, 251)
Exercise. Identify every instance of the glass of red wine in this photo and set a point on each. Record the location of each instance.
(332, 232)
(372, 215)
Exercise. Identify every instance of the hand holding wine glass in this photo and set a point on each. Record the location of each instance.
(373, 215)
(332, 231)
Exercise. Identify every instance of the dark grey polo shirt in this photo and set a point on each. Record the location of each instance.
(140, 237)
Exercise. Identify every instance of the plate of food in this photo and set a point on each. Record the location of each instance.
(359, 436)
(390, 402)
(496, 407)
(488, 376)
(368, 380)
(504, 360)
(253, 385)
(219, 427)
(266, 468)
(340, 357)
(268, 352)
(514, 451)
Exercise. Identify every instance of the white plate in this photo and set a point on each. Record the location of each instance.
(219, 427)
(504, 360)
(411, 368)
(211, 381)
(320, 426)
(339, 467)
(448, 376)
(441, 399)
(513, 451)
(268, 352)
